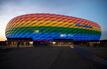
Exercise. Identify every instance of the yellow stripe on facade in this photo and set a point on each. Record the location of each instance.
(50, 23)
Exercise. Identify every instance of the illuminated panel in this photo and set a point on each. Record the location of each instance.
(52, 26)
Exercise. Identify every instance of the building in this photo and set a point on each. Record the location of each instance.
(52, 27)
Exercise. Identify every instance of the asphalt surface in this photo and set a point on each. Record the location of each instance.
(53, 58)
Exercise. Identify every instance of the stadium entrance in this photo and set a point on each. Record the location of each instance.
(63, 42)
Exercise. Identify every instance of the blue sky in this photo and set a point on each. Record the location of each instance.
(94, 10)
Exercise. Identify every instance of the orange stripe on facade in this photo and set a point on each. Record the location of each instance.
(50, 20)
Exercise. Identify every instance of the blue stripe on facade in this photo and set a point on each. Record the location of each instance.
(51, 36)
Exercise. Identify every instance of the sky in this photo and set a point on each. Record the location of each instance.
(94, 10)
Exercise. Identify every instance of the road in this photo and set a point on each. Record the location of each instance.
(52, 58)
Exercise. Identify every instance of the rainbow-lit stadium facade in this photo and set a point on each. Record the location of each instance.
(43, 26)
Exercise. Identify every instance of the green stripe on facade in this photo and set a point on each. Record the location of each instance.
(50, 29)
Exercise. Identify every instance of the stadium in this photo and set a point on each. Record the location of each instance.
(52, 27)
